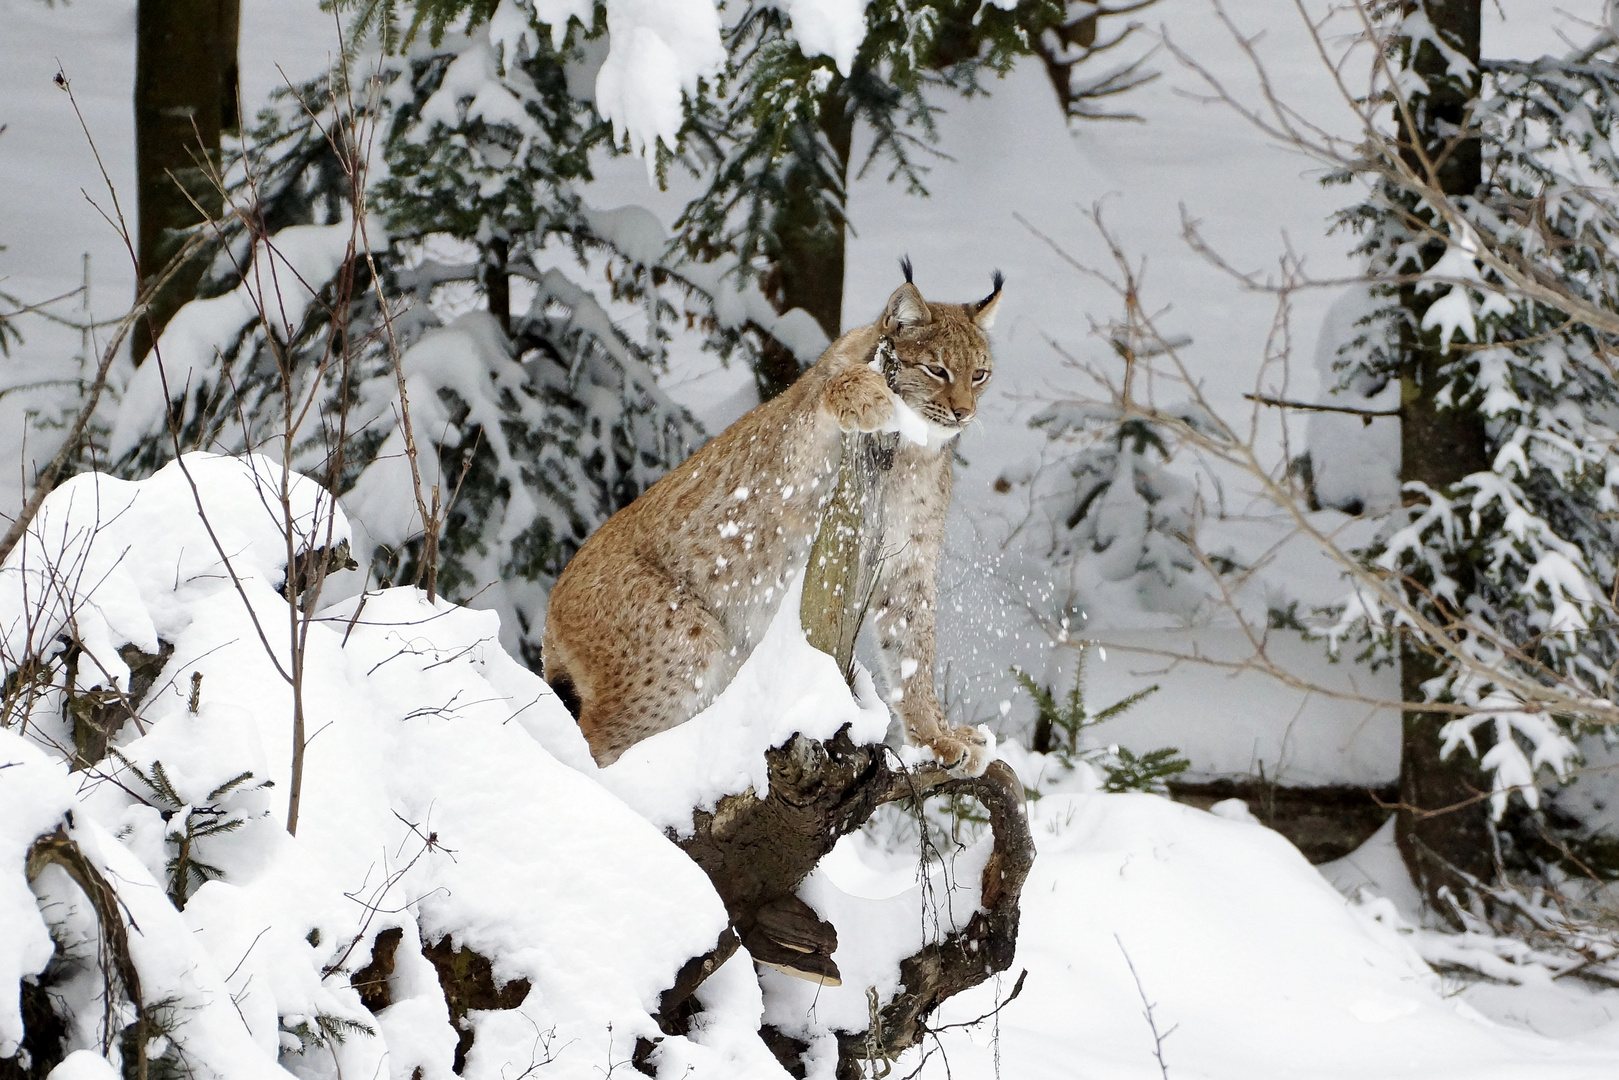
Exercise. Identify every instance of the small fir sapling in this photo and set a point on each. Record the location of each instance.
(1059, 727)
(1117, 500)
(301, 1034)
(189, 823)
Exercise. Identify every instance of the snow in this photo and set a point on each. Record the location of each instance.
(1284, 979)
(911, 425)
(660, 48)
(277, 286)
(438, 773)
(174, 969)
(1266, 970)
(786, 686)
(34, 795)
(100, 547)
(1353, 461)
(447, 793)
(832, 28)
(84, 1065)
(874, 935)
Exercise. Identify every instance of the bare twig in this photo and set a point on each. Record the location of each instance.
(1147, 1008)
(1306, 406)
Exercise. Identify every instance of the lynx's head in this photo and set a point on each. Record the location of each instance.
(943, 356)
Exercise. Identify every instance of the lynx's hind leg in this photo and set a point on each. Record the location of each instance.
(642, 656)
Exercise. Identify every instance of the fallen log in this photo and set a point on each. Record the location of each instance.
(758, 850)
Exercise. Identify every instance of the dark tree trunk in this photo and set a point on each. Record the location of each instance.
(1442, 825)
(497, 283)
(185, 97)
(808, 246)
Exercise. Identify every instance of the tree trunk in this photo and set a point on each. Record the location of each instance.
(807, 253)
(1442, 826)
(497, 282)
(185, 97)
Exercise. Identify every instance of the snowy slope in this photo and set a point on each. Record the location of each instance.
(447, 794)
(1288, 980)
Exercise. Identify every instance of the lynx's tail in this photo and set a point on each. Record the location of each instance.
(563, 686)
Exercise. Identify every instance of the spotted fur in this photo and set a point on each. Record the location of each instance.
(656, 612)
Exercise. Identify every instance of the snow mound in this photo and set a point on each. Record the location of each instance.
(786, 686)
(126, 562)
(446, 793)
(1243, 949)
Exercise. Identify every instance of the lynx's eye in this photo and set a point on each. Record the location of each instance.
(935, 372)
(981, 376)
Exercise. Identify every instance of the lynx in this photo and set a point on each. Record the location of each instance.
(657, 611)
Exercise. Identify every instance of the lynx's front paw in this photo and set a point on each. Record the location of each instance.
(859, 400)
(964, 751)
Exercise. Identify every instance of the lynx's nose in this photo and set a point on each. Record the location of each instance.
(962, 415)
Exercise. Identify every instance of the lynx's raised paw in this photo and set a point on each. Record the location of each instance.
(859, 400)
(965, 751)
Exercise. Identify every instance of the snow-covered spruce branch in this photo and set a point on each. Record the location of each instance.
(1513, 286)
(1499, 682)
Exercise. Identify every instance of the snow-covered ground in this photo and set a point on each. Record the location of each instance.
(447, 793)
(1256, 962)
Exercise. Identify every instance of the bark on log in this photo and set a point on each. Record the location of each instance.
(58, 848)
(757, 852)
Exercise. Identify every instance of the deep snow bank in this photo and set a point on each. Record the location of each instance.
(446, 792)
(1260, 968)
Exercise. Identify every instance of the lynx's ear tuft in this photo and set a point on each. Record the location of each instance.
(906, 308)
(984, 310)
(905, 267)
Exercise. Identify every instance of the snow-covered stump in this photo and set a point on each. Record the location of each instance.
(758, 847)
(758, 851)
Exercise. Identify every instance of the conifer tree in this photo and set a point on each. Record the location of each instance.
(531, 429)
(781, 125)
(1501, 270)
(1437, 828)
(185, 100)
